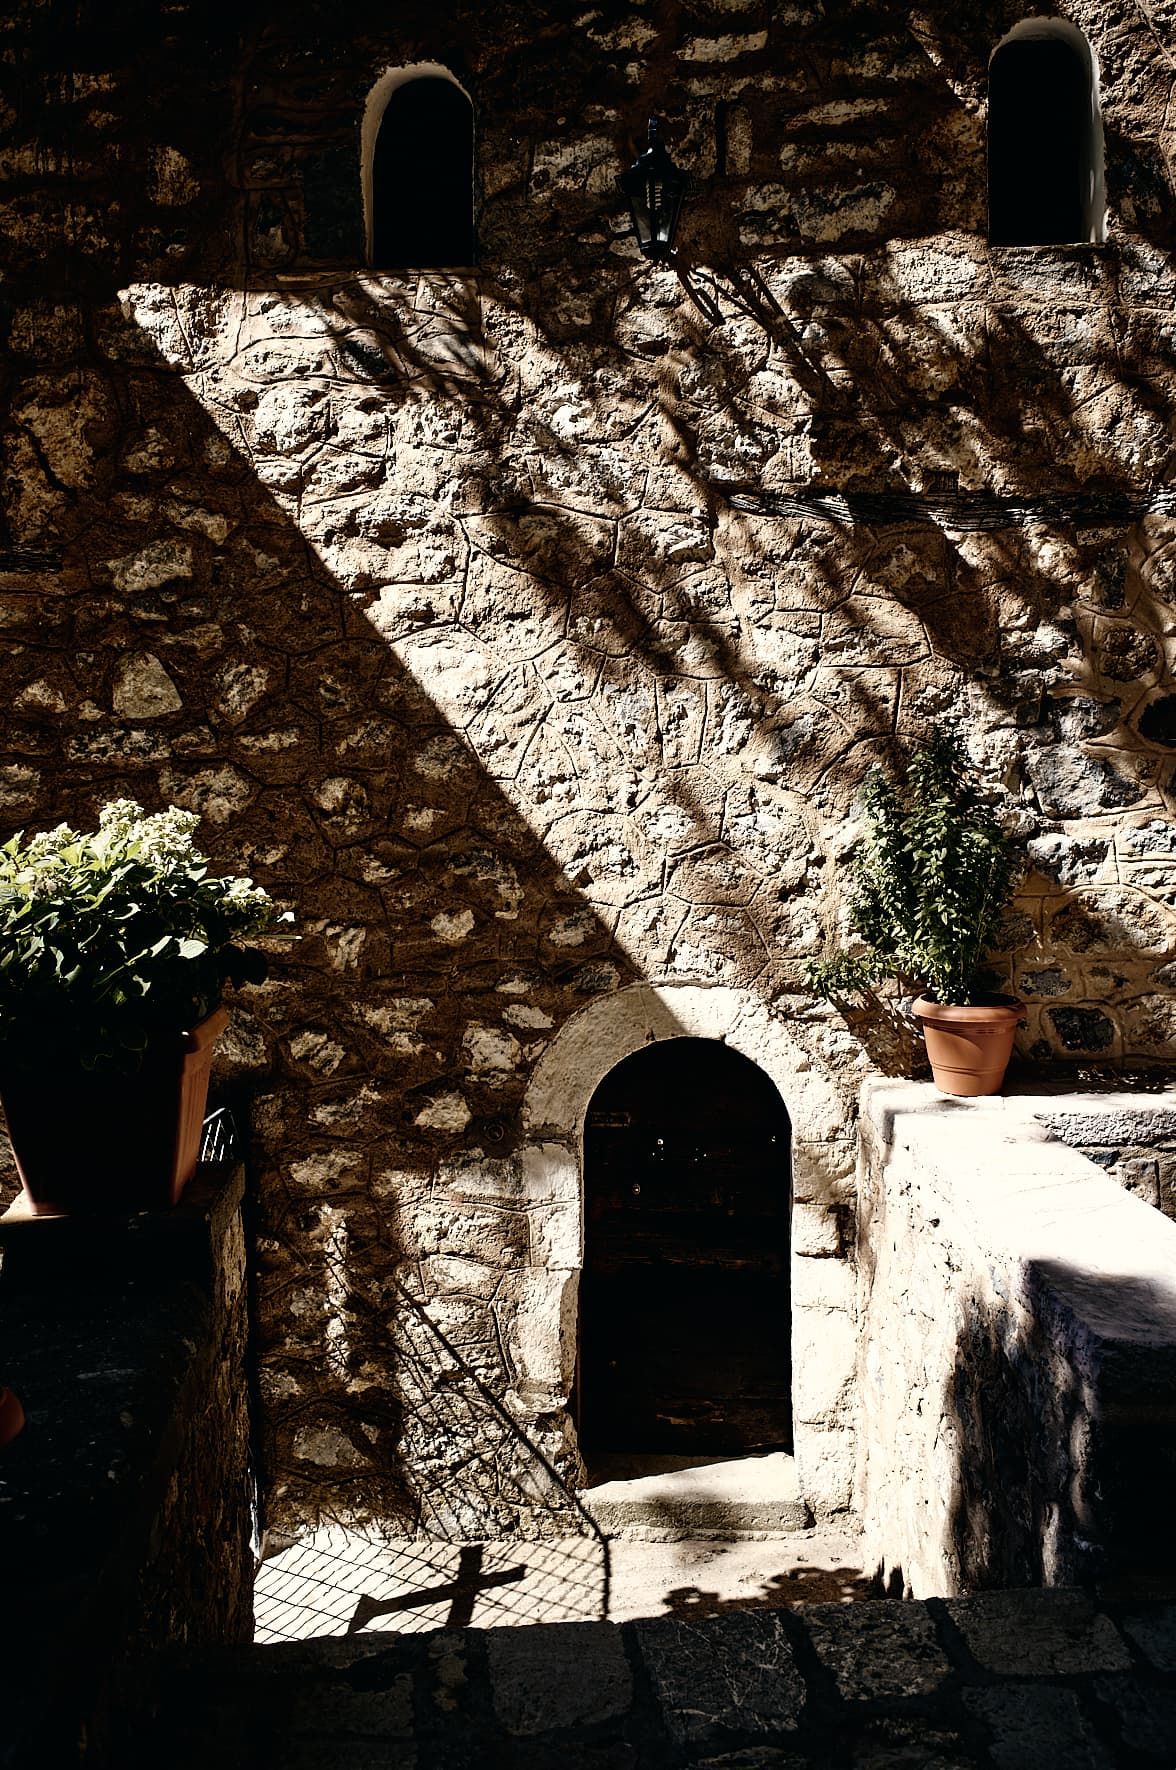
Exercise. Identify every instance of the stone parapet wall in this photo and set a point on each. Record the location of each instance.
(1017, 1365)
(457, 605)
(1132, 1137)
(126, 1502)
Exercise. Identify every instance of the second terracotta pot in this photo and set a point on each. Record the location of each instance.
(969, 1047)
(12, 1416)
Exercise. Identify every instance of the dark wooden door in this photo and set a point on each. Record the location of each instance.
(684, 1304)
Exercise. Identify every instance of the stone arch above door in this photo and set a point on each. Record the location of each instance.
(612, 1027)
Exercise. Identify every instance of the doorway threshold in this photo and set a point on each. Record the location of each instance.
(653, 1498)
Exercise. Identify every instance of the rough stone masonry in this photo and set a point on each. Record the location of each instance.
(529, 626)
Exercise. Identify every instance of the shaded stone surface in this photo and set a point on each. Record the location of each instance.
(722, 1674)
(560, 1675)
(1083, 1029)
(809, 1692)
(125, 1504)
(1058, 1632)
(890, 1649)
(1036, 1729)
(1019, 1345)
(530, 626)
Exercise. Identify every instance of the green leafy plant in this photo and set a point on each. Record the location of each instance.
(110, 938)
(931, 881)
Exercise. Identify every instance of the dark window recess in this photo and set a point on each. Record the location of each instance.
(334, 211)
(685, 1318)
(423, 179)
(1040, 147)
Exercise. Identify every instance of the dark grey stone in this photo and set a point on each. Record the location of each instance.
(1069, 784)
(1147, 1713)
(1040, 1727)
(1082, 1029)
(1044, 983)
(319, 1707)
(909, 1745)
(885, 1648)
(1154, 1633)
(1042, 1634)
(557, 1675)
(732, 1672)
(1079, 716)
(754, 1757)
(1068, 860)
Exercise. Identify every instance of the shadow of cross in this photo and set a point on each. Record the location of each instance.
(462, 1592)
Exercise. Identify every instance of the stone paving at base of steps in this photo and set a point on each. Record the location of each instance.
(342, 1580)
(1004, 1681)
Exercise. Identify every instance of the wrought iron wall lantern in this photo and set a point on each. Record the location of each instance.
(655, 188)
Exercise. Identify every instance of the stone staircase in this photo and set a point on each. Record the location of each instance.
(1007, 1681)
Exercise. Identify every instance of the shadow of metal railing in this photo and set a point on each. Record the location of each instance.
(488, 1531)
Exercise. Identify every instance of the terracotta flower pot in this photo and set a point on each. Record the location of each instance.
(87, 1142)
(969, 1047)
(12, 1416)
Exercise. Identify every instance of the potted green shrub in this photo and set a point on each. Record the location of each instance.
(115, 949)
(932, 878)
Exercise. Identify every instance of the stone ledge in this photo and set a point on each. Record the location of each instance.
(1045, 1360)
(726, 1497)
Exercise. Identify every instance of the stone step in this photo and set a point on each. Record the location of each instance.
(1030, 1678)
(666, 1499)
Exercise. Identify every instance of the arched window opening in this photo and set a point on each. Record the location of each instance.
(1045, 159)
(418, 161)
(685, 1317)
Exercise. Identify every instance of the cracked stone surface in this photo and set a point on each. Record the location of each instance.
(822, 1686)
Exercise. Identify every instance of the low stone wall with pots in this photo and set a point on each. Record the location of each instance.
(1132, 1137)
(1018, 1349)
(125, 1504)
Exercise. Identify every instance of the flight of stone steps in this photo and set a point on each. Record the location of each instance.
(1005, 1681)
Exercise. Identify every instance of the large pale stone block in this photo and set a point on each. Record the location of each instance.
(823, 1285)
(825, 1463)
(824, 1355)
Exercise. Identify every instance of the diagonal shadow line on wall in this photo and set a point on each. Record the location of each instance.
(333, 842)
(322, 1135)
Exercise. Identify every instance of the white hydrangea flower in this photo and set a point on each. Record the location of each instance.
(49, 843)
(165, 835)
(118, 818)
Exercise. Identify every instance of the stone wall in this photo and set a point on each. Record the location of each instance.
(530, 629)
(126, 1501)
(1018, 1350)
(1132, 1137)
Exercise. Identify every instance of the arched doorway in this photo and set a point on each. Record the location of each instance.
(685, 1323)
